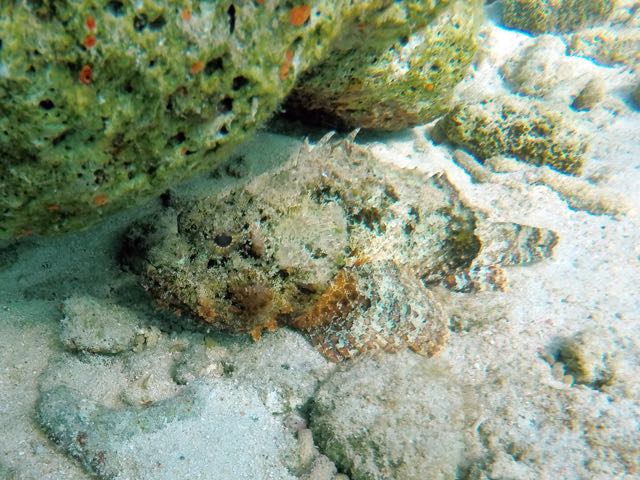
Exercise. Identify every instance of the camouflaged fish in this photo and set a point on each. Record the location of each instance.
(334, 243)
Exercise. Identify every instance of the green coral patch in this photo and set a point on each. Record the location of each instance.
(506, 126)
(102, 103)
(539, 16)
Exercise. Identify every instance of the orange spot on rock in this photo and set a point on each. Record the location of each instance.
(86, 75)
(286, 65)
(100, 200)
(256, 332)
(53, 208)
(89, 41)
(90, 23)
(260, 2)
(299, 15)
(428, 87)
(185, 14)
(197, 67)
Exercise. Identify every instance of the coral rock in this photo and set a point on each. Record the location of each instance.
(508, 126)
(539, 16)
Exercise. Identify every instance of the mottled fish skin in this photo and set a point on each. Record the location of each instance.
(333, 243)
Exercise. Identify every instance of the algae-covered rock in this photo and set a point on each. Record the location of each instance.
(391, 83)
(391, 417)
(104, 103)
(508, 126)
(322, 244)
(590, 96)
(608, 46)
(590, 357)
(539, 16)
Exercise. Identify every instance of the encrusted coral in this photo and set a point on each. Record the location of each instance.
(509, 126)
(104, 103)
(333, 243)
(372, 82)
(538, 16)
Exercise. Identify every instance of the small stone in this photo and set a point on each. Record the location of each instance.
(590, 96)
(307, 450)
(538, 69)
(322, 469)
(98, 326)
(589, 357)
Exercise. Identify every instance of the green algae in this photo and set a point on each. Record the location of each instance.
(507, 126)
(539, 16)
(102, 104)
(403, 79)
(105, 104)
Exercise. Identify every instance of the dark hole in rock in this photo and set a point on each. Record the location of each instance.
(118, 140)
(224, 130)
(223, 240)
(226, 105)
(179, 138)
(139, 22)
(306, 289)
(166, 199)
(231, 12)
(46, 104)
(99, 176)
(239, 82)
(213, 66)
(157, 23)
(59, 139)
(115, 8)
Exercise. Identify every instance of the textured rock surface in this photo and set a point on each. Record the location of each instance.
(98, 326)
(615, 42)
(105, 103)
(101, 438)
(404, 80)
(451, 426)
(508, 126)
(108, 411)
(538, 16)
(539, 69)
(351, 423)
(608, 46)
(321, 244)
